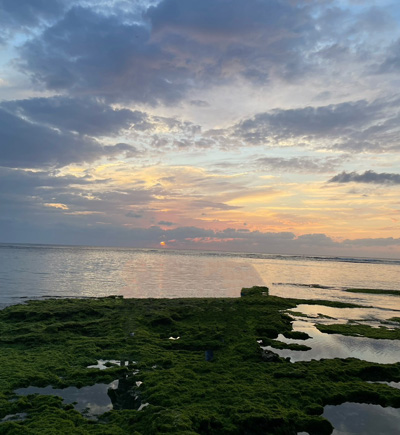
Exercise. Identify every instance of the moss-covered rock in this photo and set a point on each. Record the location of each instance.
(52, 342)
(361, 330)
(254, 291)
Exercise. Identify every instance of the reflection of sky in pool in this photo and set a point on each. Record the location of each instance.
(93, 399)
(340, 346)
(363, 419)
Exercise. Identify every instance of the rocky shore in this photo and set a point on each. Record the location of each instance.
(172, 366)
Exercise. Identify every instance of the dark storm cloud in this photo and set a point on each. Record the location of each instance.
(181, 45)
(81, 115)
(30, 145)
(367, 177)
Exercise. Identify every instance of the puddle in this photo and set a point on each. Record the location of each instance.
(391, 384)
(363, 419)
(338, 346)
(345, 314)
(101, 364)
(97, 399)
(20, 416)
(92, 401)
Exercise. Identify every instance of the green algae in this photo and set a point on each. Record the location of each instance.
(394, 319)
(254, 291)
(296, 335)
(276, 344)
(298, 314)
(52, 342)
(361, 330)
(374, 291)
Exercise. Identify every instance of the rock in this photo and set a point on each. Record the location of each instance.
(254, 291)
(269, 356)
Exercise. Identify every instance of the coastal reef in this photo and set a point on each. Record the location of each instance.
(373, 291)
(361, 330)
(182, 366)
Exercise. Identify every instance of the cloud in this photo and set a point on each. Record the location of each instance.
(22, 181)
(134, 215)
(108, 50)
(199, 103)
(28, 145)
(307, 122)
(384, 241)
(81, 115)
(40, 195)
(367, 177)
(22, 15)
(353, 125)
(392, 62)
(300, 164)
(91, 54)
(166, 223)
(221, 19)
(181, 45)
(212, 205)
(97, 232)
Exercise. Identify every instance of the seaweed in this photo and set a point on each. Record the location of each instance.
(361, 330)
(235, 391)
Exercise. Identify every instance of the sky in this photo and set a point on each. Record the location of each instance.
(266, 126)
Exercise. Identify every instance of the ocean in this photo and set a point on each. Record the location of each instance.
(40, 271)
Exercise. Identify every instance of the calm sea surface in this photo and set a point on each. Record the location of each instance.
(35, 271)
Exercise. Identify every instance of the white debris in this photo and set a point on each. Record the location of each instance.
(143, 405)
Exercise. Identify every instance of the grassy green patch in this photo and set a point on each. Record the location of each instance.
(52, 342)
(361, 330)
(374, 291)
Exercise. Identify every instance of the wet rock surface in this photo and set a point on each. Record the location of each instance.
(269, 356)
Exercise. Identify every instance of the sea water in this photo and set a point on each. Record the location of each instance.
(36, 271)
